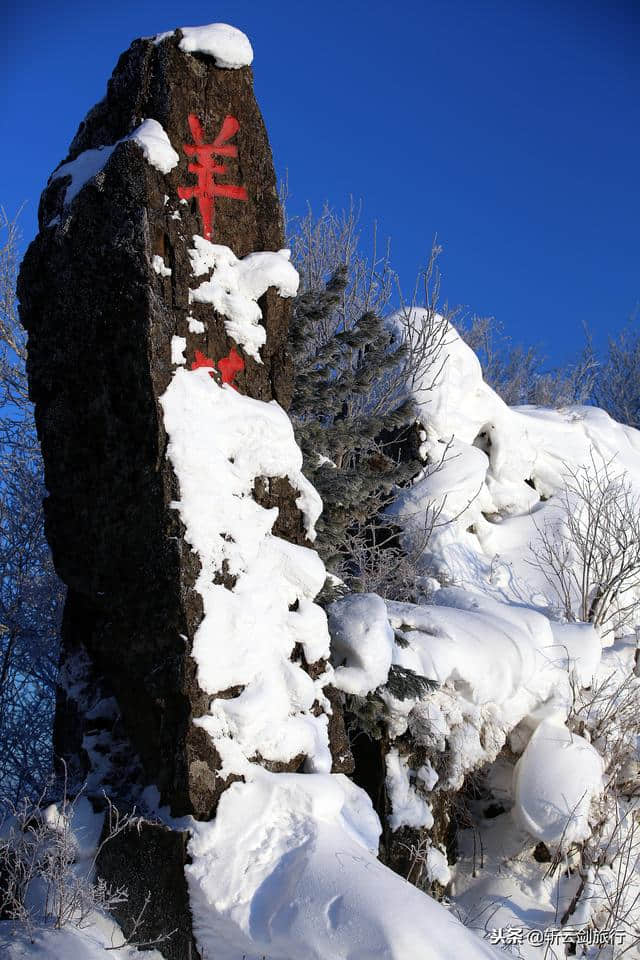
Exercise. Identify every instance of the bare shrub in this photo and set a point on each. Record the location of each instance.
(45, 881)
(617, 388)
(31, 595)
(608, 713)
(520, 375)
(608, 896)
(591, 558)
(374, 560)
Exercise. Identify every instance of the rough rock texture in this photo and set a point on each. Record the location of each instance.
(157, 904)
(100, 321)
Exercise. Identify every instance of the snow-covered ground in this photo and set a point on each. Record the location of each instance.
(84, 931)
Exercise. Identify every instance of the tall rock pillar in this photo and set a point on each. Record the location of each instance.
(155, 299)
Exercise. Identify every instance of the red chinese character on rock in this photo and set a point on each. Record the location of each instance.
(227, 366)
(206, 169)
(202, 360)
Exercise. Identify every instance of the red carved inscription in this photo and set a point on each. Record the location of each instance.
(207, 169)
(227, 367)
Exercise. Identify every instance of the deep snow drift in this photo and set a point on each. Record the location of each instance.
(289, 869)
(304, 881)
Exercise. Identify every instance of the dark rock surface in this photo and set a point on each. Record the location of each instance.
(157, 903)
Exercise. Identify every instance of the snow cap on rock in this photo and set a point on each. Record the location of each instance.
(229, 46)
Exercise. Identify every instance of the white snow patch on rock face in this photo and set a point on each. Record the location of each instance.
(82, 169)
(156, 146)
(160, 266)
(289, 869)
(361, 643)
(150, 136)
(554, 782)
(408, 808)
(228, 46)
(235, 286)
(178, 346)
(220, 442)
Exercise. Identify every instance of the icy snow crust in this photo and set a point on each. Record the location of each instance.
(150, 137)
(234, 287)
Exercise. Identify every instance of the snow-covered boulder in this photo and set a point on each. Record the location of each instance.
(555, 781)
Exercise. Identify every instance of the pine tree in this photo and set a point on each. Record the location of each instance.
(350, 405)
(353, 410)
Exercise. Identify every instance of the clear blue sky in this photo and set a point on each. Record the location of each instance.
(510, 128)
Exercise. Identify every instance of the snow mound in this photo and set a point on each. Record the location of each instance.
(554, 782)
(97, 935)
(503, 477)
(361, 643)
(489, 651)
(235, 286)
(496, 666)
(257, 589)
(229, 46)
(289, 869)
(150, 137)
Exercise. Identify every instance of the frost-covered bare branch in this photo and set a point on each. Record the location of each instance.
(590, 552)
